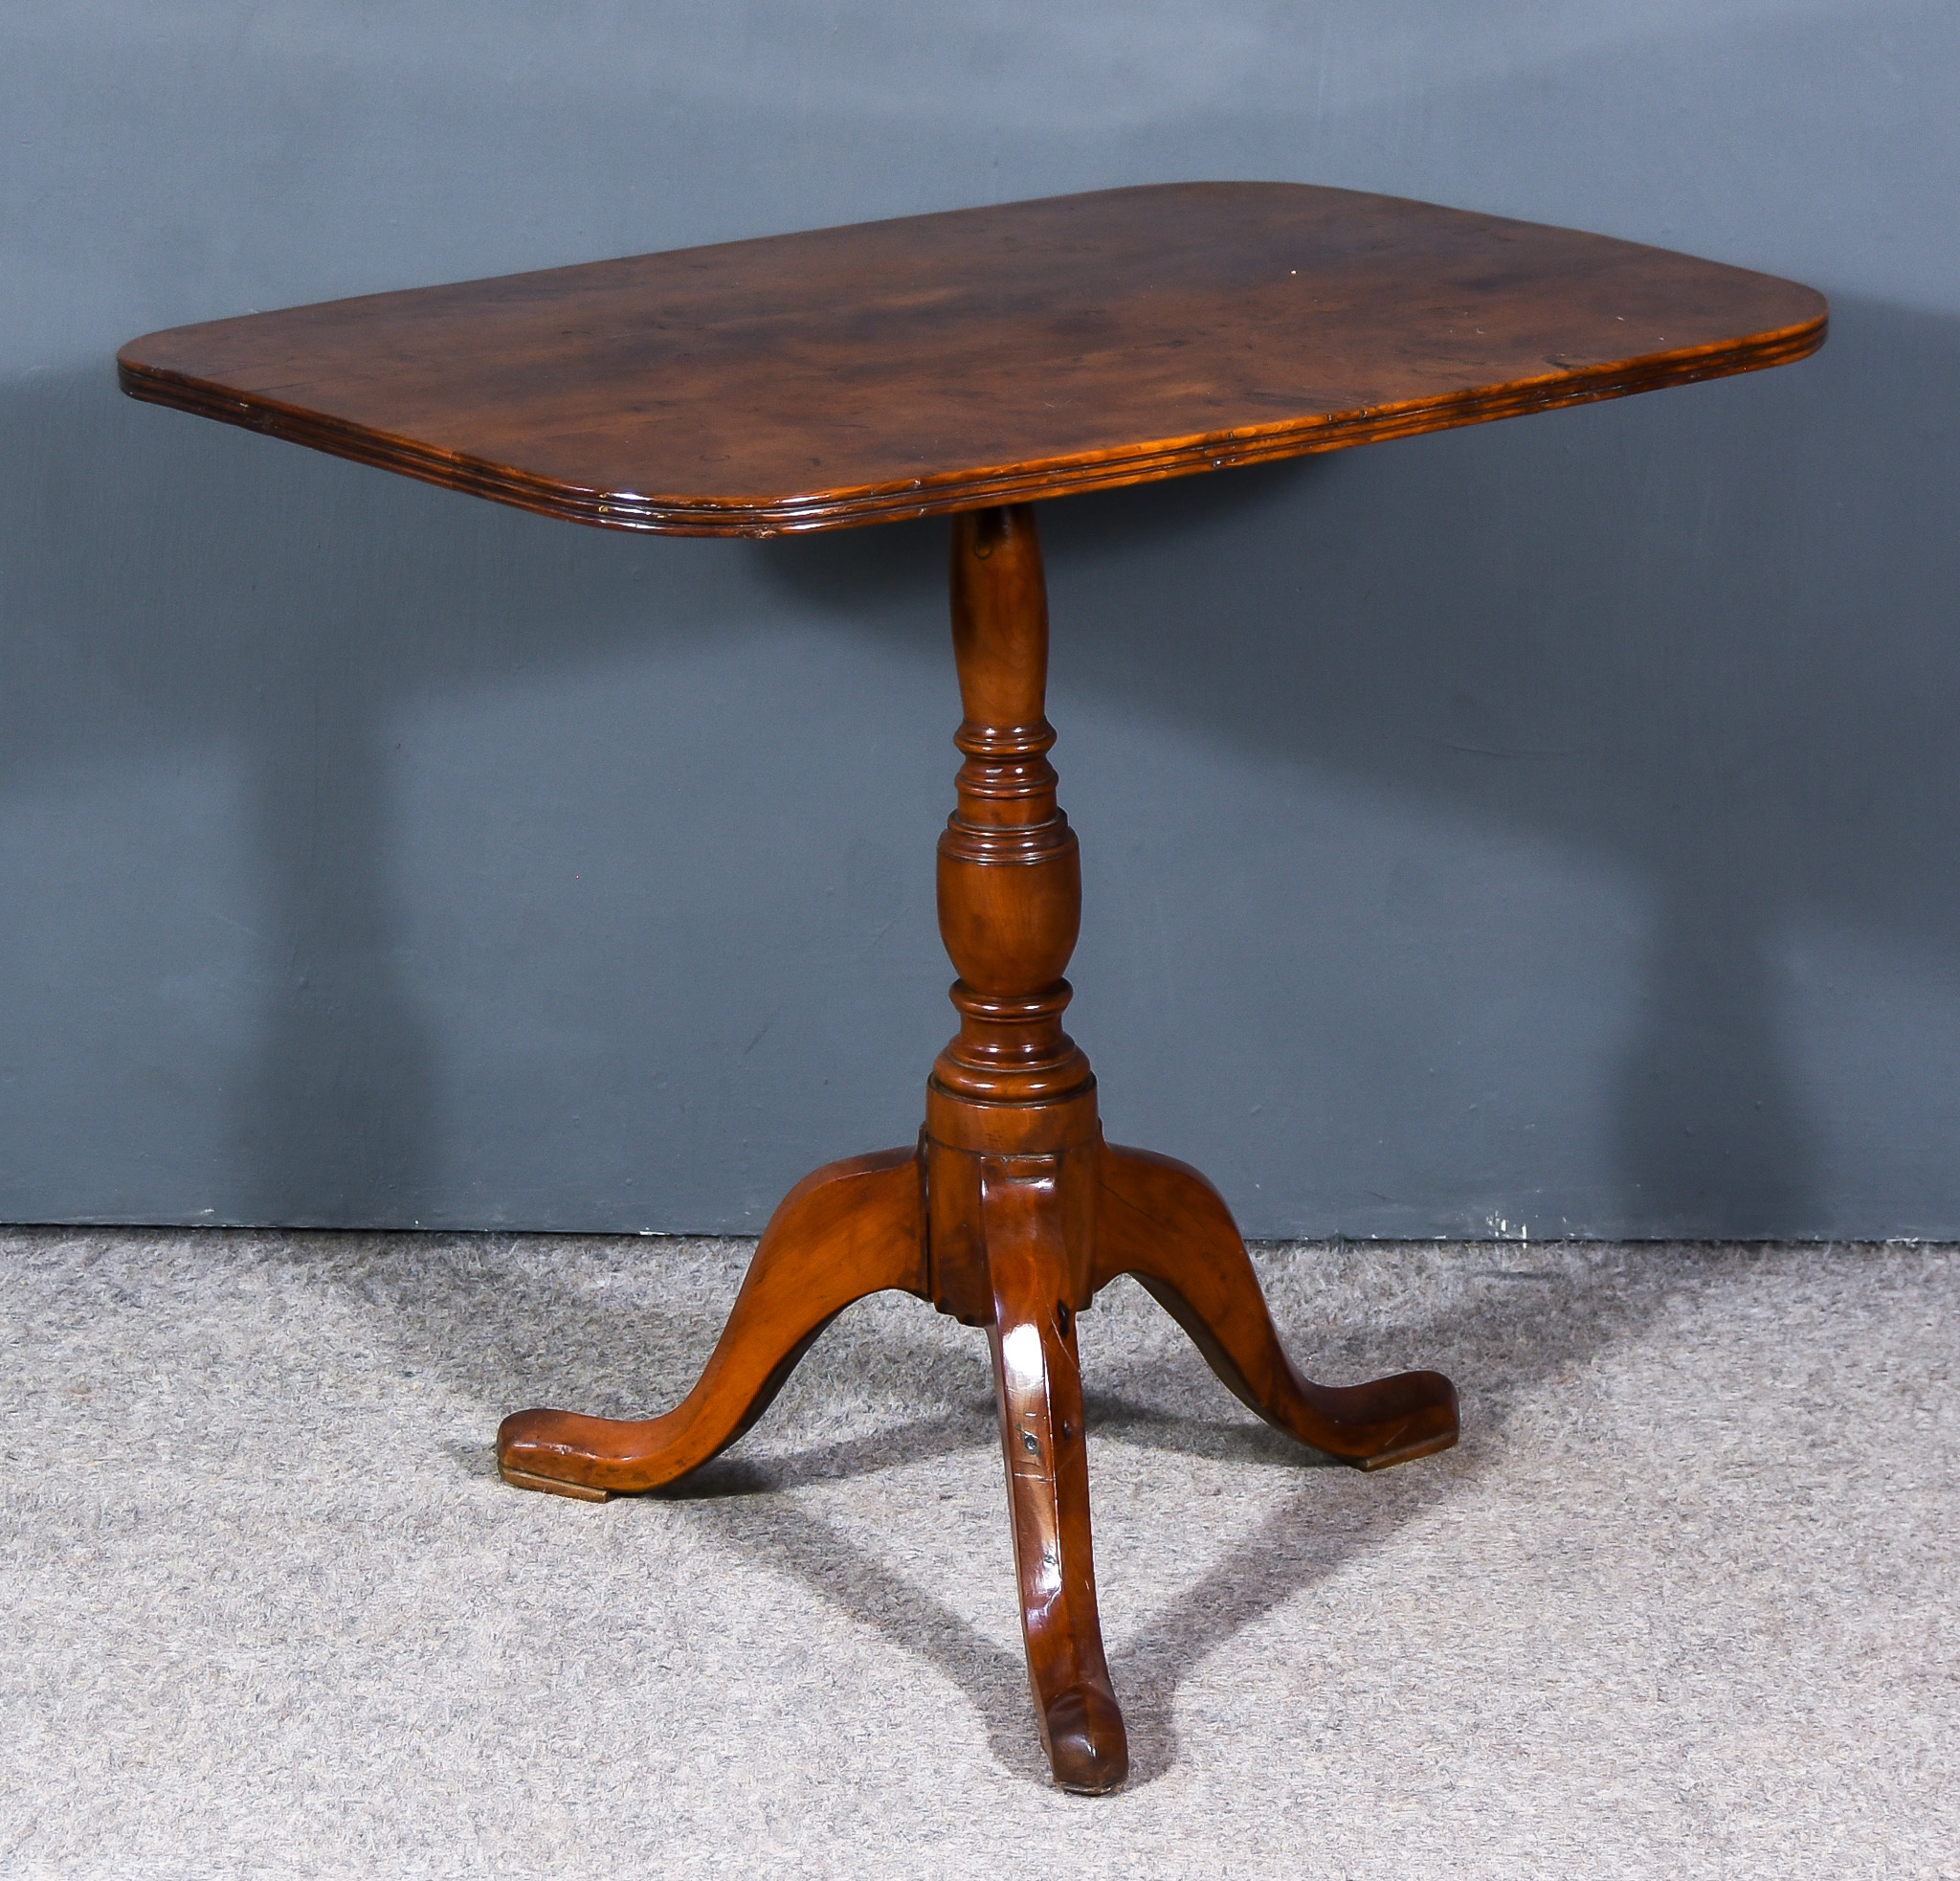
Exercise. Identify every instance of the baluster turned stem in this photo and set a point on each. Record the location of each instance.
(1009, 876)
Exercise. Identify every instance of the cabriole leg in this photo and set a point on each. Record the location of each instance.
(850, 1229)
(1162, 1222)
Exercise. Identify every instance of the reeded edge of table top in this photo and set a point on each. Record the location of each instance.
(974, 489)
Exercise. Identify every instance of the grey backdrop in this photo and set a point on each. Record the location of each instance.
(1544, 827)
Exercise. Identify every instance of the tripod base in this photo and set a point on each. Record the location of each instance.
(1046, 1232)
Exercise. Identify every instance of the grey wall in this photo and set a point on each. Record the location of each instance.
(1549, 825)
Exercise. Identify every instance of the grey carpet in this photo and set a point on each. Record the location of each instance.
(1681, 1604)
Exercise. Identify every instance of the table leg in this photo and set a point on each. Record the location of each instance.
(1163, 1222)
(849, 1229)
(1012, 1212)
(1039, 1384)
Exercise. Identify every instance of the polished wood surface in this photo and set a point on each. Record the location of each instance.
(1011, 1213)
(941, 363)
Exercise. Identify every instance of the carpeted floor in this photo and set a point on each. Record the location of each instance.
(1683, 1604)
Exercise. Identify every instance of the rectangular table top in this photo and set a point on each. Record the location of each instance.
(939, 363)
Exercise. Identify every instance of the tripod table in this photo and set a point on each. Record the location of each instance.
(967, 365)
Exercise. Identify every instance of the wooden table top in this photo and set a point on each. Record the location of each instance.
(939, 363)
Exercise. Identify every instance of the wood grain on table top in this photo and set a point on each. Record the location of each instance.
(940, 363)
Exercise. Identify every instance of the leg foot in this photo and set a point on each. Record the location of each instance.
(1039, 1381)
(1162, 1222)
(850, 1229)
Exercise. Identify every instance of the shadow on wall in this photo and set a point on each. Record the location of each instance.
(1707, 634)
(205, 593)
